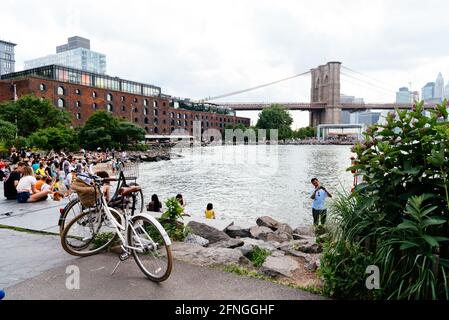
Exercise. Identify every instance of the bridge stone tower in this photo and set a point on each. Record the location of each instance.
(326, 89)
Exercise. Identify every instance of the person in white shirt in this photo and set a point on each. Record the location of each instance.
(26, 191)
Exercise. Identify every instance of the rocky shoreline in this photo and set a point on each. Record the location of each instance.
(293, 255)
(152, 155)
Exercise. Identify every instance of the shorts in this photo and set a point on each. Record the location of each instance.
(23, 197)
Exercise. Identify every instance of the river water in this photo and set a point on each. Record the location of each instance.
(246, 182)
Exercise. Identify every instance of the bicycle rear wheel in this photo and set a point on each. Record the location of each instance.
(89, 233)
(151, 252)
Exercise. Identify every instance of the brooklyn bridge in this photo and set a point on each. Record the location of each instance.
(324, 106)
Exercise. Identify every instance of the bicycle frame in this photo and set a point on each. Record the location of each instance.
(120, 230)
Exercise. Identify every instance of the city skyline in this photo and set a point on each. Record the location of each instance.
(190, 51)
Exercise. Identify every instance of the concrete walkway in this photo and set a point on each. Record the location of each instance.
(186, 282)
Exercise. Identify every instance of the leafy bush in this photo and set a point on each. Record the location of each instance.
(169, 220)
(397, 218)
(258, 256)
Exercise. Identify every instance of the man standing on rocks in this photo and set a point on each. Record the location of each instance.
(319, 195)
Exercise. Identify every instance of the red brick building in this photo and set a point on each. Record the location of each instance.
(82, 93)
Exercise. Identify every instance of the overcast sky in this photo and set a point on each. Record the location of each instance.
(205, 48)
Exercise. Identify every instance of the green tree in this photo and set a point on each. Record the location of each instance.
(56, 138)
(304, 133)
(31, 114)
(276, 117)
(7, 131)
(102, 130)
(127, 134)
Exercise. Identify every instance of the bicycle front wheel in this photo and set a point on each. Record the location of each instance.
(152, 253)
(90, 233)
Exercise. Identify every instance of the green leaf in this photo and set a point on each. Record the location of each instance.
(407, 245)
(408, 225)
(430, 240)
(433, 222)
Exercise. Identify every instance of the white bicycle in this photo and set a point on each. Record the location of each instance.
(140, 235)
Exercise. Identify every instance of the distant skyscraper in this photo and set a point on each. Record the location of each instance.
(446, 91)
(428, 91)
(439, 87)
(75, 54)
(7, 59)
(404, 96)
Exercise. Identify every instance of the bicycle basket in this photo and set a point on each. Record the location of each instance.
(87, 194)
(131, 170)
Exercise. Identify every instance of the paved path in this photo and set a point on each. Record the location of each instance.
(24, 256)
(186, 282)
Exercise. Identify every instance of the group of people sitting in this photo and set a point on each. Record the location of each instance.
(36, 178)
(156, 206)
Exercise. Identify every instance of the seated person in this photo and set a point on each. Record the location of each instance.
(155, 205)
(26, 191)
(210, 213)
(40, 182)
(11, 183)
(181, 201)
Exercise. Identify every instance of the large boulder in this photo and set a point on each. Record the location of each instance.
(237, 232)
(285, 228)
(201, 256)
(229, 244)
(207, 232)
(194, 239)
(260, 232)
(305, 231)
(278, 236)
(250, 243)
(275, 266)
(268, 222)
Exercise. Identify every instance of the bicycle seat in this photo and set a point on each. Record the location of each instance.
(127, 191)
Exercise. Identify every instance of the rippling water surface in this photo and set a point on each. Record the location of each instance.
(246, 182)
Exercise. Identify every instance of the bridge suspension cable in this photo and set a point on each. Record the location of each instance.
(372, 85)
(377, 81)
(253, 88)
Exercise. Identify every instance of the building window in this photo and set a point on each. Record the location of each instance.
(156, 130)
(135, 100)
(94, 94)
(173, 122)
(136, 120)
(179, 123)
(155, 122)
(78, 92)
(164, 121)
(78, 116)
(145, 111)
(155, 103)
(61, 103)
(61, 91)
(172, 115)
(164, 104)
(147, 129)
(123, 108)
(155, 113)
(94, 106)
(185, 116)
(42, 87)
(109, 97)
(110, 108)
(78, 104)
(122, 98)
(178, 116)
(146, 121)
(145, 102)
(186, 123)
